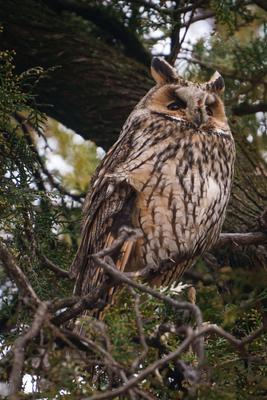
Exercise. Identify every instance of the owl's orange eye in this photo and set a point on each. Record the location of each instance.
(209, 111)
(177, 104)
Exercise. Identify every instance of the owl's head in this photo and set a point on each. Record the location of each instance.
(173, 96)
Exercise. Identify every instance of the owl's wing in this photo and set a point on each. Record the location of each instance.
(108, 214)
(108, 206)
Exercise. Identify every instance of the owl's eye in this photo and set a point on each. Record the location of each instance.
(177, 104)
(209, 111)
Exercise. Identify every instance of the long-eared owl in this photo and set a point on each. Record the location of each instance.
(169, 174)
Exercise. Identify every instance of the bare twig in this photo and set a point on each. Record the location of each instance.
(212, 67)
(87, 302)
(243, 108)
(126, 233)
(131, 378)
(144, 373)
(53, 267)
(204, 15)
(169, 11)
(192, 336)
(108, 360)
(93, 346)
(177, 43)
(19, 347)
(123, 278)
(141, 334)
(15, 273)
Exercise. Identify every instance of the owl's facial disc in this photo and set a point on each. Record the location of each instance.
(201, 107)
(189, 102)
(181, 100)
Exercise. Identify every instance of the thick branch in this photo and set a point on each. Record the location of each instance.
(123, 278)
(193, 337)
(261, 3)
(245, 108)
(241, 239)
(90, 300)
(106, 20)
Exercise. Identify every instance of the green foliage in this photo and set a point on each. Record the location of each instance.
(30, 220)
(231, 14)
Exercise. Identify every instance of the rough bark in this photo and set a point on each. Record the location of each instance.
(95, 88)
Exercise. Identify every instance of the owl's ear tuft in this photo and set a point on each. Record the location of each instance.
(216, 83)
(162, 71)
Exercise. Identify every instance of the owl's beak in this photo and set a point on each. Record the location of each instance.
(197, 119)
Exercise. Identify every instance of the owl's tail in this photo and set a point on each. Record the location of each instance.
(90, 276)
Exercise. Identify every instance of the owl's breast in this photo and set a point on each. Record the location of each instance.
(183, 190)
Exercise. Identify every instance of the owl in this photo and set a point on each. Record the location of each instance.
(169, 175)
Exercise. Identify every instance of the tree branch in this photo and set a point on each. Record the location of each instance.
(54, 268)
(16, 274)
(141, 333)
(19, 347)
(123, 278)
(191, 337)
(80, 304)
(245, 108)
(241, 239)
(102, 17)
(261, 3)
(200, 17)
(169, 11)
(177, 42)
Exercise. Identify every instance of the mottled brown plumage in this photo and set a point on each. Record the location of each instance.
(168, 174)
